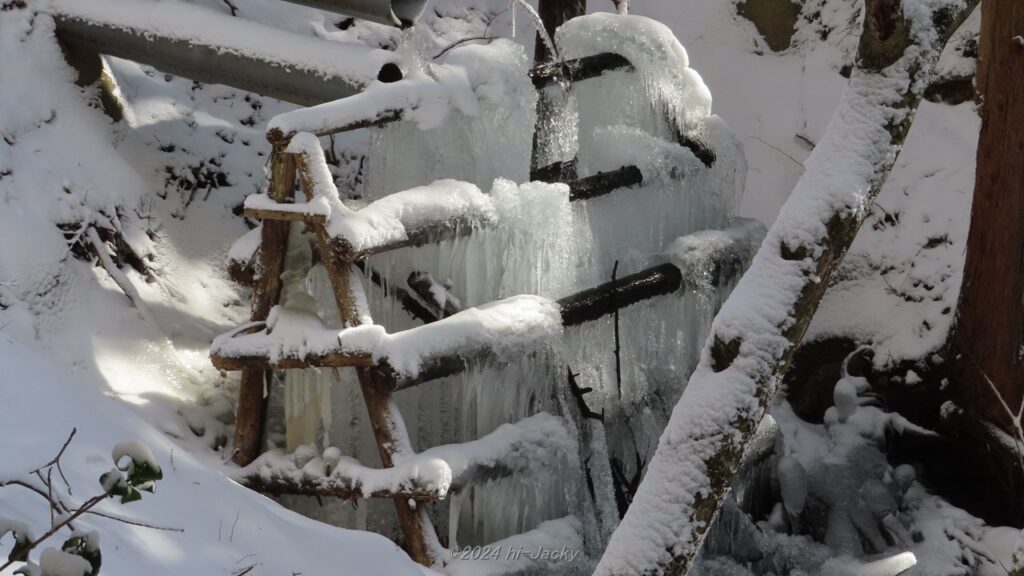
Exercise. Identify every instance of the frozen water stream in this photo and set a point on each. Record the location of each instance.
(545, 246)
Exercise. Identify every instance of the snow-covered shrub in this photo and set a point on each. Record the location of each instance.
(135, 470)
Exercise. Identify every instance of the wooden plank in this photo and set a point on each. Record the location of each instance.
(284, 216)
(252, 402)
(330, 487)
(333, 360)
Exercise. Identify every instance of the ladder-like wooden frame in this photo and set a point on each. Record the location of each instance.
(377, 381)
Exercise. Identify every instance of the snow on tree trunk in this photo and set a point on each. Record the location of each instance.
(755, 334)
(989, 334)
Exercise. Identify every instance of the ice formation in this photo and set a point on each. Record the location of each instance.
(472, 131)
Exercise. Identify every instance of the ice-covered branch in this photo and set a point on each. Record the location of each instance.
(755, 334)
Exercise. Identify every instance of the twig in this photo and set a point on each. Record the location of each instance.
(56, 527)
(460, 42)
(777, 149)
(56, 460)
(618, 357)
(133, 522)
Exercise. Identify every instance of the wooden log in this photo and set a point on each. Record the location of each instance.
(288, 78)
(578, 69)
(439, 232)
(284, 216)
(605, 299)
(560, 171)
(554, 13)
(604, 183)
(408, 302)
(277, 136)
(332, 360)
(254, 383)
(424, 285)
(329, 487)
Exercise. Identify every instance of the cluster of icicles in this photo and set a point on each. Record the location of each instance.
(545, 246)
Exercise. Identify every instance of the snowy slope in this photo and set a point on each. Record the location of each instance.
(74, 353)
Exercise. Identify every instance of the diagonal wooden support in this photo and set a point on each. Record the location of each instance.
(388, 427)
(252, 388)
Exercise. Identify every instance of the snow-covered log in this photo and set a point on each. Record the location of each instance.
(530, 444)
(208, 46)
(755, 334)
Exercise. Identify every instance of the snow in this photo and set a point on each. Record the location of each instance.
(658, 57)
(438, 471)
(194, 494)
(136, 451)
(391, 219)
(549, 546)
(244, 249)
(508, 328)
(54, 562)
(418, 472)
(201, 26)
(696, 253)
(533, 442)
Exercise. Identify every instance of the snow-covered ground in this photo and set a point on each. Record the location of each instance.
(74, 353)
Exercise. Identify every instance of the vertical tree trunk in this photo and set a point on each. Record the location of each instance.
(988, 338)
(554, 13)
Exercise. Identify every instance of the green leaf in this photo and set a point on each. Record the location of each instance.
(143, 475)
(83, 545)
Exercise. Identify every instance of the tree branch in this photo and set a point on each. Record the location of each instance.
(750, 347)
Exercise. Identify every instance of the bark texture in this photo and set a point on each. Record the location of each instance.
(988, 338)
(554, 13)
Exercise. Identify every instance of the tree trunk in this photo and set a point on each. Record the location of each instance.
(554, 13)
(988, 337)
(758, 328)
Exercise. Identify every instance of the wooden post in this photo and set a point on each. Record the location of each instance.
(255, 382)
(388, 427)
(554, 13)
(988, 338)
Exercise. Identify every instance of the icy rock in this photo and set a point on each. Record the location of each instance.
(844, 395)
(793, 484)
(904, 475)
(878, 498)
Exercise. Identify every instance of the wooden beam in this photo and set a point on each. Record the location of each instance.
(284, 216)
(388, 427)
(604, 183)
(254, 383)
(329, 487)
(332, 360)
(578, 69)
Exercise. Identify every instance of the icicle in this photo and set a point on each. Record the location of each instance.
(454, 511)
(361, 506)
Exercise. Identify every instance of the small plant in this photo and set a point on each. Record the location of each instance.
(135, 471)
